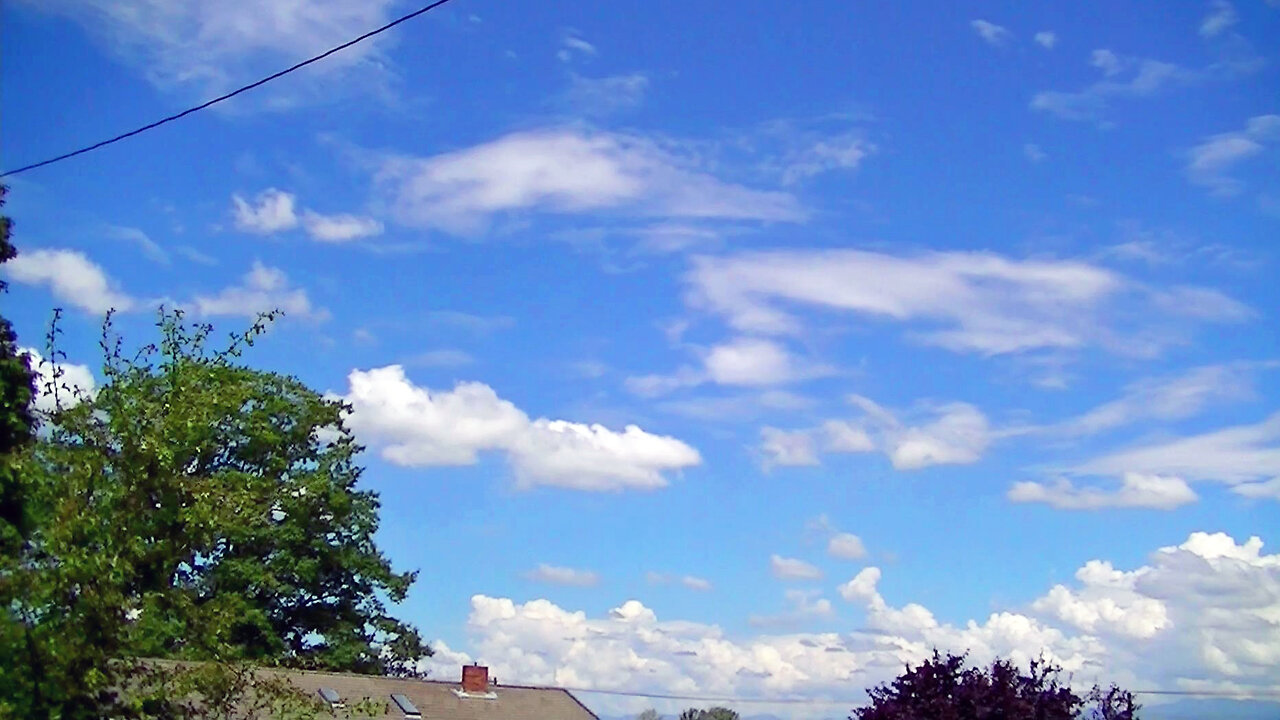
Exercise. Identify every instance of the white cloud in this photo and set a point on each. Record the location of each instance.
(1209, 162)
(1158, 474)
(844, 151)
(1167, 398)
(1033, 152)
(272, 211)
(965, 302)
(1156, 492)
(133, 235)
(846, 546)
(692, 582)
(571, 45)
(417, 427)
(605, 95)
(1146, 77)
(696, 583)
(1222, 15)
(990, 32)
(62, 385)
(557, 575)
(72, 278)
(741, 362)
(787, 448)
(262, 289)
(1046, 39)
(1106, 61)
(785, 568)
(566, 171)
(1237, 456)
(950, 434)
(805, 605)
(753, 361)
(206, 48)
(1200, 612)
(339, 228)
(1107, 601)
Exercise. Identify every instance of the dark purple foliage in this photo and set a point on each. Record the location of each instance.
(945, 688)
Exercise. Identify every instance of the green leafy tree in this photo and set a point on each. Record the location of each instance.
(946, 688)
(649, 714)
(196, 509)
(714, 713)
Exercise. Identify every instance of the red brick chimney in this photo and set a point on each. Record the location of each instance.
(475, 679)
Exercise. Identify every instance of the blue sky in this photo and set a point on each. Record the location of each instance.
(748, 352)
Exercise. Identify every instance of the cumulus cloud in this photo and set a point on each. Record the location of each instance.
(787, 448)
(991, 33)
(205, 48)
(64, 384)
(71, 277)
(565, 171)
(414, 426)
(1046, 39)
(785, 568)
(1201, 613)
(271, 211)
(964, 302)
(1136, 491)
(261, 290)
(557, 575)
(846, 546)
(1209, 163)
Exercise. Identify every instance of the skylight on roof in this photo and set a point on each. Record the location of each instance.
(332, 697)
(406, 705)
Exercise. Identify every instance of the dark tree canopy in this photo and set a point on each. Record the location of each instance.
(714, 713)
(17, 425)
(946, 688)
(196, 509)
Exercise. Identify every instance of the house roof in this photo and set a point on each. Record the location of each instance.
(438, 700)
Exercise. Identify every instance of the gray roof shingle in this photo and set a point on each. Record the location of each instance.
(436, 700)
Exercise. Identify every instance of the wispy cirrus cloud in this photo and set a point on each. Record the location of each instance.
(202, 49)
(962, 301)
(946, 434)
(1209, 163)
(566, 171)
(559, 575)
(990, 32)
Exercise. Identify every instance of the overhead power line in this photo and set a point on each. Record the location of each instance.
(1260, 694)
(228, 96)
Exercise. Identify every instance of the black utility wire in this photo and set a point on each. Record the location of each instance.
(229, 95)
